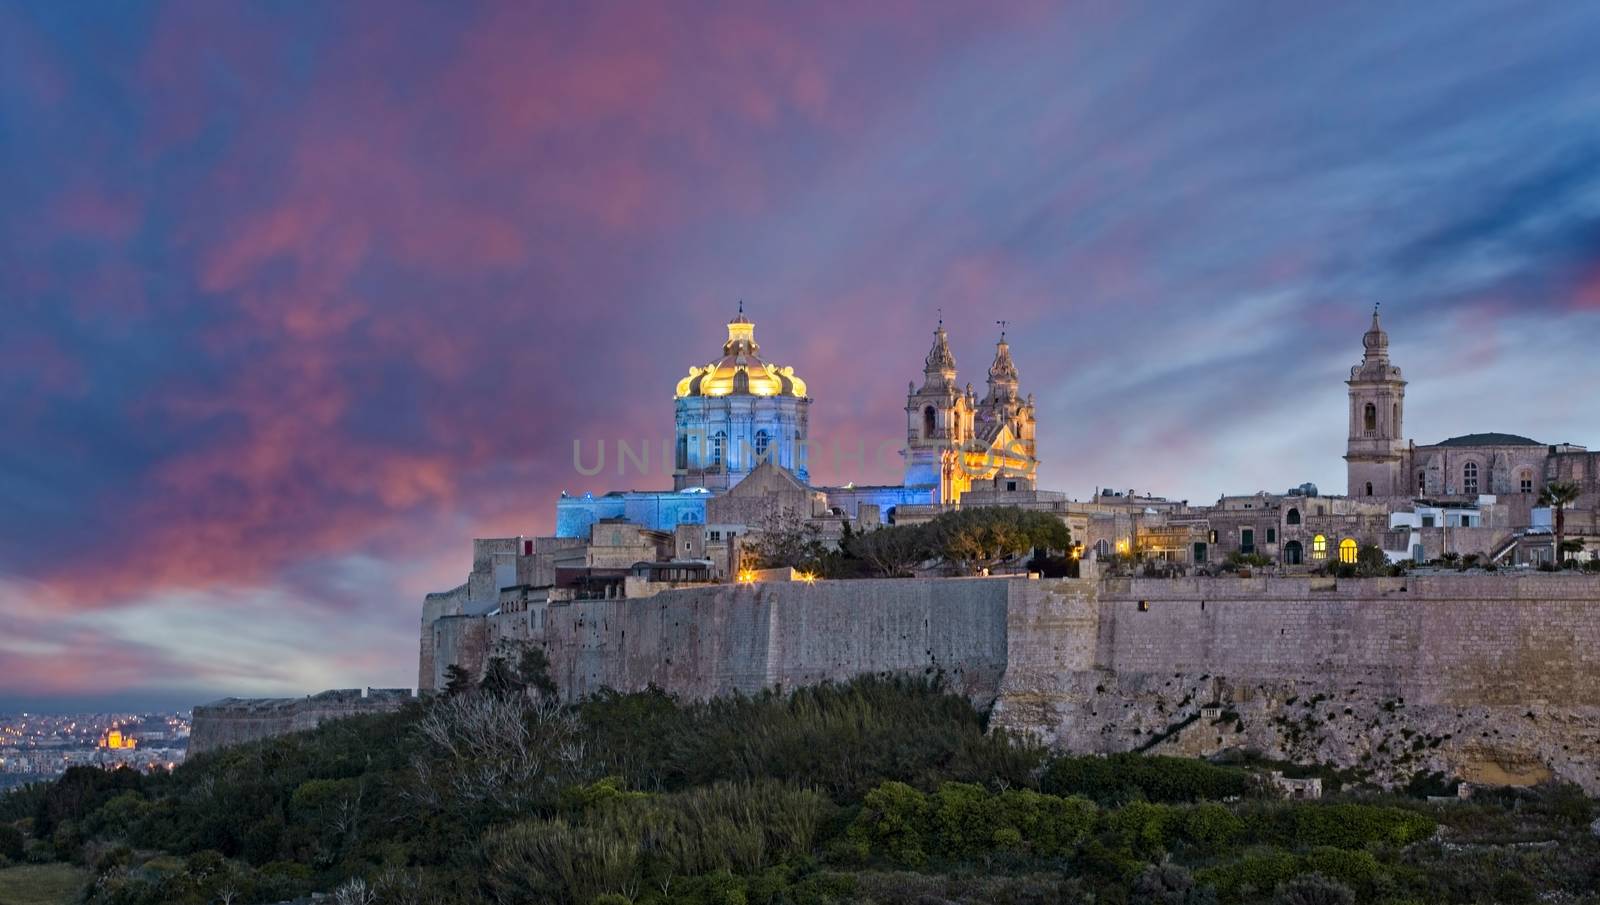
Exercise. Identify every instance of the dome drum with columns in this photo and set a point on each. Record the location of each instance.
(737, 412)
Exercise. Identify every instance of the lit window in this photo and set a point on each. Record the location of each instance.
(1319, 547)
(1347, 550)
(1469, 478)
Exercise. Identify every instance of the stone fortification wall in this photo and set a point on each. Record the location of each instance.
(232, 721)
(1492, 677)
(1489, 677)
(704, 642)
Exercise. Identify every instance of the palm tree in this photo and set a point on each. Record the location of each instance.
(1558, 495)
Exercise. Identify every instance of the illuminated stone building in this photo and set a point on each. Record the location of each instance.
(737, 412)
(1463, 470)
(954, 442)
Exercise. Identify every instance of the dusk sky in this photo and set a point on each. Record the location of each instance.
(298, 298)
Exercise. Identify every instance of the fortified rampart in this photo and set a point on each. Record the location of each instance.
(232, 721)
(703, 643)
(1491, 677)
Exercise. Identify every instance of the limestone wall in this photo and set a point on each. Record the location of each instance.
(1492, 677)
(704, 642)
(1487, 676)
(232, 721)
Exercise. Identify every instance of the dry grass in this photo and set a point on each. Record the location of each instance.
(41, 884)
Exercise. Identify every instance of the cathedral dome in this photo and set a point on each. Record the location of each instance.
(740, 372)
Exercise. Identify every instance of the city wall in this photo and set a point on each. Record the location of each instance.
(708, 642)
(1489, 677)
(233, 721)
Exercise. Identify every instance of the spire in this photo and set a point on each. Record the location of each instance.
(1375, 341)
(940, 358)
(1003, 370)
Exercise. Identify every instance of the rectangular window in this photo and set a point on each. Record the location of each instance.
(1011, 485)
(1247, 541)
(1527, 485)
(1272, 535)
(1427, 521)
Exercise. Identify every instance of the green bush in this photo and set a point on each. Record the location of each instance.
(12, 842)
(1120, 777)
(895, 822)
(1353, 826)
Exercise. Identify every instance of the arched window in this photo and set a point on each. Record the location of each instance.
(1525, 481)
(1372, 418)
(1369, 488)
(1293, 517)
(763, 442)
(1469, 478)
(683, 451)
(927, 422)
(1319, 547)
(1292, 553)
(1347, 550)
(719, 443)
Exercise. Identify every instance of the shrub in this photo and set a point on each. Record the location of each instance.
(1313, 889)
(1353, 826)
(1253, 874)
(894, 822)
(1210, 827)
(1119, 777)
(12, 842)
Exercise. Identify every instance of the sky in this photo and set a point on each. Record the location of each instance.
(296, 299)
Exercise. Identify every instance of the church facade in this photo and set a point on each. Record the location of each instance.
(954, 442)
(740, 412)
(1382, 464)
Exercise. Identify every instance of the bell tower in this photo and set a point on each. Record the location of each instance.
(1375, 452)
(939, 418)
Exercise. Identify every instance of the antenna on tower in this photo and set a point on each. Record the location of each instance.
(941, 315)
(1002, 329)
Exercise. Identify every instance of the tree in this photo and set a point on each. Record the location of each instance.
(499, 678)
(1558, 495)
(533, 670)
(784, 537)
(892, 550)
(457, 679)
(1371, 561)
(973, 539)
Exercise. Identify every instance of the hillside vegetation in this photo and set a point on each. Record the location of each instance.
(877, 791)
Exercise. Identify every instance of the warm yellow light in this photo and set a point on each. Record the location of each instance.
(747, 577)
(1123, 545)
(1347, 551)
(807, 577)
